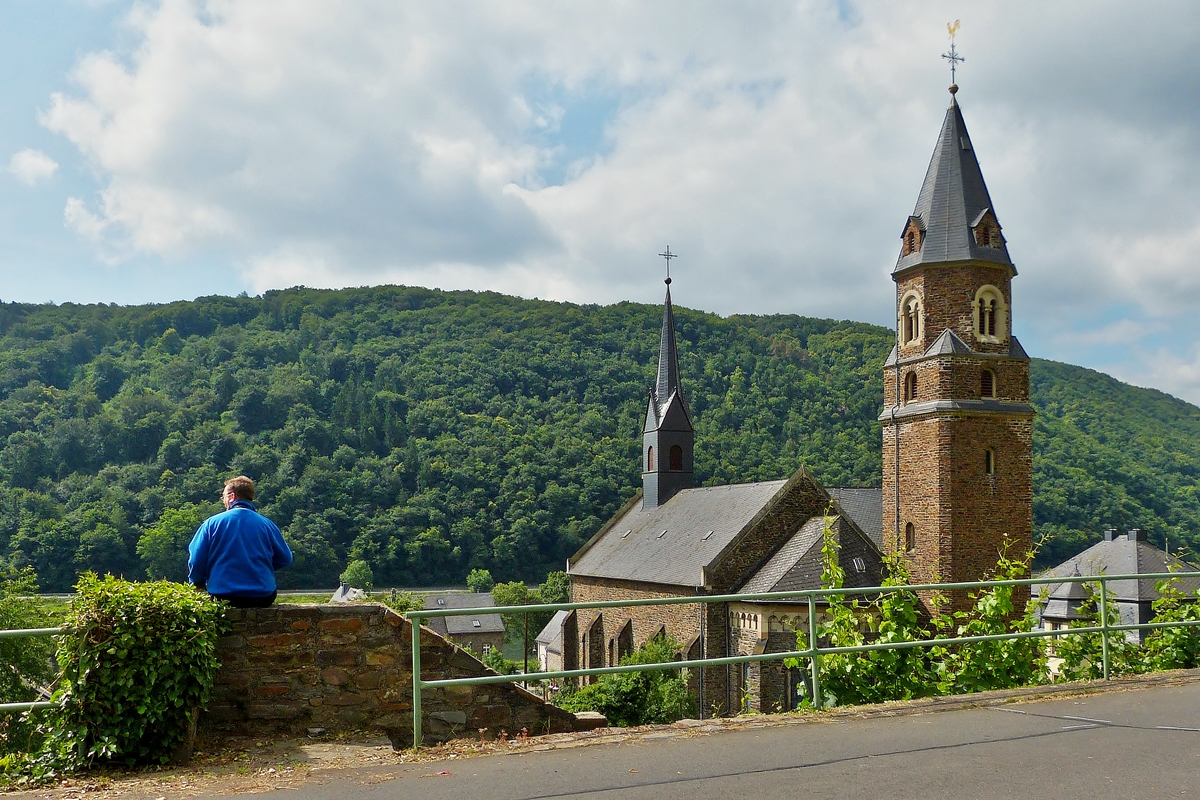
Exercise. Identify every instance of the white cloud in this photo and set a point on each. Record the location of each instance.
(778, 150)
(31, 167)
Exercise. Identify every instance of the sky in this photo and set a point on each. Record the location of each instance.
(156, 151)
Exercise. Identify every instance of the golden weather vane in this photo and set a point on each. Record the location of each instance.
(953, 57)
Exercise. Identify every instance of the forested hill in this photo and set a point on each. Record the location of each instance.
(431, 432)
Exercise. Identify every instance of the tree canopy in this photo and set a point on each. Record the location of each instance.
(431, 433)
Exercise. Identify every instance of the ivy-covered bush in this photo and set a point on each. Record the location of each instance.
(136, 659)
(637, 698)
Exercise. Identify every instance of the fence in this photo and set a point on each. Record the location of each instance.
(814, 651)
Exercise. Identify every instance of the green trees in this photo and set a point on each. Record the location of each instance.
(163, 548)
(358, 574)
(480, 580)
(433, 433)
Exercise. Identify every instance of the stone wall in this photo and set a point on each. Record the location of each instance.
(289, 668)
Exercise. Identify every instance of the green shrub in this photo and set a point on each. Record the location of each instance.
(136, 659)
(358, 574)
(637, 698)
(1173, 648)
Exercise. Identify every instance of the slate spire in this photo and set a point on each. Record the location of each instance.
(668, 354)
(954, 218)
(667, 434)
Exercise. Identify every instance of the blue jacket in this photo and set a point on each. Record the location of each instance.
(237, 552)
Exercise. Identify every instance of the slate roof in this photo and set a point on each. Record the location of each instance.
(1065, 601)
(699, 524)
(948, 343)
(953, 197)
(1015, 350)
(668, 355)
(865, 508)
(488, 623)
(551, 635)
(1123, 556)
(799, 563)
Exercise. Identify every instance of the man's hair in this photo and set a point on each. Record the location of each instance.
(243, 487)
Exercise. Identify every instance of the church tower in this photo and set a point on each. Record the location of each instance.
(667, 434)
(957, 423)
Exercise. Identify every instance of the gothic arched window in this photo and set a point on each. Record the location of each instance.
(675, 456)
(650, 458)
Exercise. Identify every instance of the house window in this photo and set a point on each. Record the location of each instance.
(487, 648)
(987, 383)
(676, 457)
(910, 537)
(991, 315)
(650, 459)
(910, 319)
(910, 387)
(989, 461)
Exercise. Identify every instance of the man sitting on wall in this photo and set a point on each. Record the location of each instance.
(234, 554)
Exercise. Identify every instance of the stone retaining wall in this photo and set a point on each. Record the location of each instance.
(289, 668)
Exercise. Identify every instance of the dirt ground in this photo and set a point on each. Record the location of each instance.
(247, 766)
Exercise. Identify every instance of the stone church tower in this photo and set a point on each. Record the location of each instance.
(667, 435)
(957, 424)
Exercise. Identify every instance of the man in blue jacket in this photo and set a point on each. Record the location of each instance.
(234, 555)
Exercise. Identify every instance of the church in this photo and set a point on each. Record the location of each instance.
(956, 488)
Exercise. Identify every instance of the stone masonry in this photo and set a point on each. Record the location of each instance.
(288, 668)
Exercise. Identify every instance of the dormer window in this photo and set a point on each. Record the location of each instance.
(991, 315)
(910, 321)
(912, 236)
(987, 231)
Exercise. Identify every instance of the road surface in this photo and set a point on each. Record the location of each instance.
(1136, 744)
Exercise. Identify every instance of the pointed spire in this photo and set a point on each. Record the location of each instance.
(668, 354)
(954, 203)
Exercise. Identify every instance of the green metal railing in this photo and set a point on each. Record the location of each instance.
(813, 653)
(16, 635)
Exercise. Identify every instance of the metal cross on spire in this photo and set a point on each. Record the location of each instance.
(953, 57)
(668, 256)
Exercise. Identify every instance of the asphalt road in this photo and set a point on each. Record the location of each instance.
(1137, 744)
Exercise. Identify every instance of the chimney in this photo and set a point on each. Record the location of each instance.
(1136, 535)
(1110, 534)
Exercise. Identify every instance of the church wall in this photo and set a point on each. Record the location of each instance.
(958, 377)
(682, 622)
(948, 293)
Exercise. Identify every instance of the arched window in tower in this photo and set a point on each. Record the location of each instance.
(910, 319)
(675, 456)
(650, 458)
(910, 537)
(987, 384)
(910, 386)
(989, 461)
(991, 315)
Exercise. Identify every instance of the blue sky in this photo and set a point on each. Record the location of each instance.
(154, 151)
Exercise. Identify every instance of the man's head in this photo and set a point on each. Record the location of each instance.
(239, 488)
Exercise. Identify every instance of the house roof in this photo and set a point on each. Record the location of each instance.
(953, 198)
(552, 634)
(1122, 555)
(698, 523)
(460, 626)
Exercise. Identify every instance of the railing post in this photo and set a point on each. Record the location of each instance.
(815, 661)
(1104, 624)
(416, 679)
